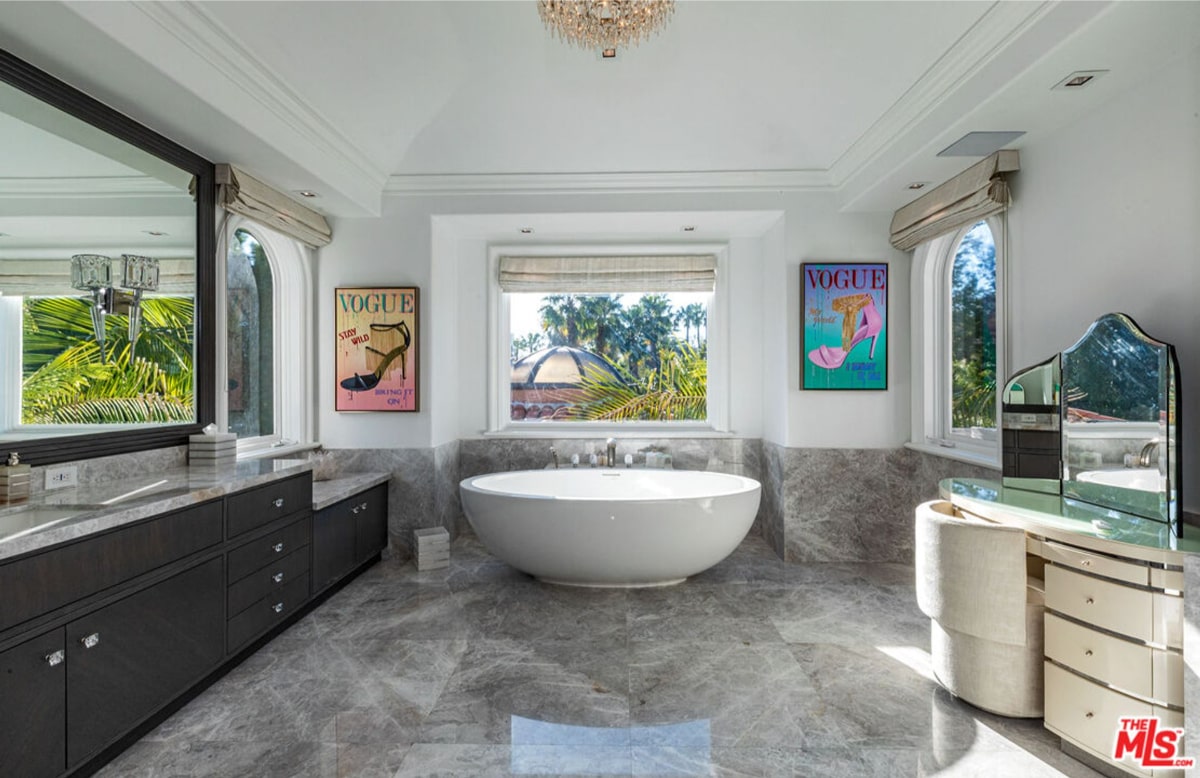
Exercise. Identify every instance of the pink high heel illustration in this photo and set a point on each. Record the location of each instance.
(870, 325)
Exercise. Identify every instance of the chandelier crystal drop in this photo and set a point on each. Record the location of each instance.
(605, 24)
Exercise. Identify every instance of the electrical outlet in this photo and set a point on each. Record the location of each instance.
(62, 477)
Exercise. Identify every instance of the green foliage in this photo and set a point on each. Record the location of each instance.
(68, 381)
(676, 390)
(973, 330)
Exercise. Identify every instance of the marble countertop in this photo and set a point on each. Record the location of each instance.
(326, 493)
(1071, 520)
(60, 515)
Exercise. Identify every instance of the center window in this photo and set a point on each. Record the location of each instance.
(608, 339)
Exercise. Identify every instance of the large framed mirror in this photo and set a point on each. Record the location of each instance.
(107, 273)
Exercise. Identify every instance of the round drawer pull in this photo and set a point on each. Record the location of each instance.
(278, 577)
(278, 547)
(1088, 715)
(278, 608)
(1088, 652)
(1090, 601)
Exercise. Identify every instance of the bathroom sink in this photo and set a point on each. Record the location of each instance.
(1145, 479)
(22, 521)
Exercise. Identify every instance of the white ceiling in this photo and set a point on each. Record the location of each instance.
(352, 98)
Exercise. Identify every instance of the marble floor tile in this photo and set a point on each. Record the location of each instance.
(754, 668)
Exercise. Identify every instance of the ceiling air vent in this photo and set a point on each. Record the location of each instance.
(1079, 79)
(979, 144)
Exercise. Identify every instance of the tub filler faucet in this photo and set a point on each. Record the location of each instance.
(1147, 454)
(610, 459)
(554, 456)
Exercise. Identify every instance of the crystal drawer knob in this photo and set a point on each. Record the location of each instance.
(55, 659)
(277, 577)
(362, 507)
(278, 502)
(1086, 563)
(277, 547)
(277, 607)
(356, 509)
(91, 641)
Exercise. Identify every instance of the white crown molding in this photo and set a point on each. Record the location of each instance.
(201, 32)
(591, 183)
(91, 187)
(1002, 24)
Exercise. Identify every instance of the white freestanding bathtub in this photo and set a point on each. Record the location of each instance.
(610, 527)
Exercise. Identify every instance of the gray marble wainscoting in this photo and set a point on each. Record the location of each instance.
(849, 505)
(447, 504)
(412, 490)
(1191, 654)
(118, 467)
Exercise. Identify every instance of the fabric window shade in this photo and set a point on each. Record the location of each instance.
(978, 192)
(241, 193)
(607, 275)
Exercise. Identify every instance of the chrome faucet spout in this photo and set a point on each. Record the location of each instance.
(610, 459)
(1144, 458)
(554, 456)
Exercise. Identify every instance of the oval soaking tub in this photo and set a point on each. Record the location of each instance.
(610, 527)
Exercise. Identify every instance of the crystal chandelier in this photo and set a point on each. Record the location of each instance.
(605, 24)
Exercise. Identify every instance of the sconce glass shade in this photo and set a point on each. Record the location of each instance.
(90, 272)
(140, 273)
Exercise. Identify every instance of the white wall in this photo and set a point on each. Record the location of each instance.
(1106, 217)
(401, 248)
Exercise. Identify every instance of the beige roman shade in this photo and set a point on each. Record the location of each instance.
(976, 193)
(605, 275)
(239, 192)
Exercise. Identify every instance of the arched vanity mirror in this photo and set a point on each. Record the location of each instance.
(107, 263)
(1120, 435)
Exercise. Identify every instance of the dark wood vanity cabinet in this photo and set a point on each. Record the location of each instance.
(33, 718)
(347, 534)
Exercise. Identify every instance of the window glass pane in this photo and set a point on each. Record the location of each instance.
(617, 358)
(68, 378)
(251, 338)
(973, 332)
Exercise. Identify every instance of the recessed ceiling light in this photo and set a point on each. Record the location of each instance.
(155, 233)
(1079, 79)
(689, 228)
(307, 193)
(918, 185)
(527, 230)
(980, 144)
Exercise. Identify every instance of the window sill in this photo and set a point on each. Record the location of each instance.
(587, 430)
(270, 452)
(977, 458)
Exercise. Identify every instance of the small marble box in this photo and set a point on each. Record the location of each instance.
(432, 548)
(212, 449)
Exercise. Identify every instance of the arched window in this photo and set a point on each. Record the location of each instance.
(267, 368)
(958, 344)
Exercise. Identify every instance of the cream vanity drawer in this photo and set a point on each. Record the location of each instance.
(1097, 564)
(1133, 667)
(1090, 714)
(1166, 579)
(1148, 616)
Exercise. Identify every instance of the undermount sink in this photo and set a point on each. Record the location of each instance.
(22, 521)
(1146, 479)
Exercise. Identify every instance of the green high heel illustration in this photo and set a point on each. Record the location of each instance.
(363, 382)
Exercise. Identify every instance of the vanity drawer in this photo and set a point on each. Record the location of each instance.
(40, 583)
(266, 580)
(1097, 564)
(249, 557)
(1090, 714)
(267, 612)
(1112, 606)
(262, 505)
(1132, 667)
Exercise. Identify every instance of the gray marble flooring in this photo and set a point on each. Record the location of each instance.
(754, 668)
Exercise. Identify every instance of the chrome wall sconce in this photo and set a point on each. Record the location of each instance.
(93, 273)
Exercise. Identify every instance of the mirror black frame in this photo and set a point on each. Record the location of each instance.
(63, 448)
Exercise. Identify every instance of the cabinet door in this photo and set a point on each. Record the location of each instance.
(127, 660)
(33, 690)
(332, 545)
(370, 520)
